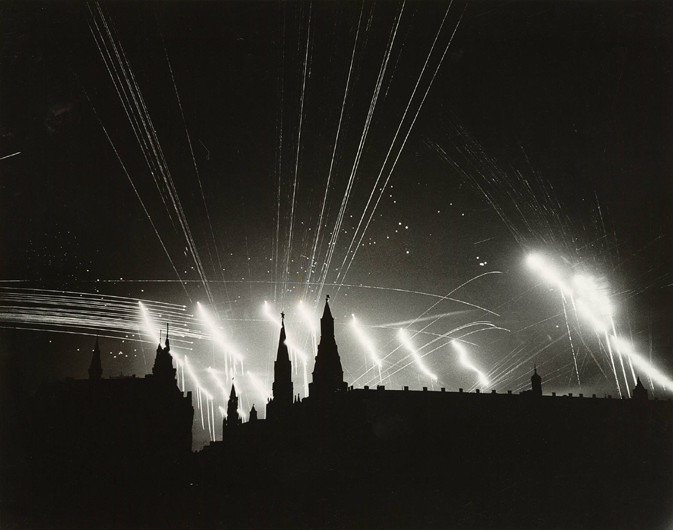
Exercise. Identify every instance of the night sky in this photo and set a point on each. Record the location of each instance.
(233, 153)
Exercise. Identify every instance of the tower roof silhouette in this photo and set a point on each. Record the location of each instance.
(327, 313)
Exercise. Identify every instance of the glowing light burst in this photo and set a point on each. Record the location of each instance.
(266, 309)
(367, 344)
(261, 389)
(215, 376)
(149, 326)
(406, 342)
(592, 303)
(310, 322)
(467, 363)
(232, 356)
(625, 348)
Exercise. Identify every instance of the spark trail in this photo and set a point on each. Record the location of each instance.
(296, 162)
(130, 95)
(350, 256)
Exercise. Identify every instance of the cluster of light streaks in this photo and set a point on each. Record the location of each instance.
(231, 354)
(331, 247)
(593, 304)
(89, 314)
(116, 62)
(352, 249)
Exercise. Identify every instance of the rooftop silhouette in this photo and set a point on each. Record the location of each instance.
(342, 457)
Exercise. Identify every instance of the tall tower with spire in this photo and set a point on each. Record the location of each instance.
(95, 368)
(233, 419)
(282, 377)
(639, 391)
(328, 375)
(163, 369)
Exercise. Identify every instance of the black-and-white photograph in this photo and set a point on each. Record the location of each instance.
(339, 264)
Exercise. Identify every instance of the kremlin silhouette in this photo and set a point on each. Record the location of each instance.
(116, 453)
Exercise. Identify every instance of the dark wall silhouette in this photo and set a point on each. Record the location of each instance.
(116, 453)
(103, 452)
(377, 458)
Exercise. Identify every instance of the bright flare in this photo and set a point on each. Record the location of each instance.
(148, 326)
(217, 336)
(366, 342)
(406, 342)
(467, 363)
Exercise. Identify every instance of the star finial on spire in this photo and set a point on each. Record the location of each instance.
(282, 316)
(326, 297)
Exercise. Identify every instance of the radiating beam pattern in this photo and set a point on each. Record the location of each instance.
(592, 304)
(231, 353)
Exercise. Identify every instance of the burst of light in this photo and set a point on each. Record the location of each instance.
(366, 342)
(623, 347)
(215, 375)
(266, 309)
(467, 363)
(588, 315)
(592, 302)
(296, 351)
(308, 318)
(217, 335)
(195, 379)
(546, 270)
(148, 326)
(406, 341)
(261, 389)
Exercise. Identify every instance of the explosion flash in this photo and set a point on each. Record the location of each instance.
(368, 344)
(148, 326)
(592, 303)
(231, 353)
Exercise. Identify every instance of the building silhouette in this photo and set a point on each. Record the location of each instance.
(283, 391)
(328, 375)
(101, 439)
(116, 452)
(381, 458)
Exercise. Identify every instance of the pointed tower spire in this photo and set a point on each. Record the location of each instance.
(233, 419)
(328, 373)
(282, 377)
(639, 391)
(95, 367)
(535, 382)
(168, 344)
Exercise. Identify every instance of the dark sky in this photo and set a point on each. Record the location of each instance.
(547, 127)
